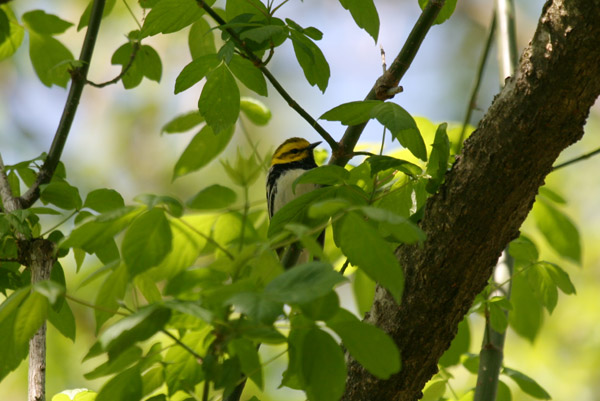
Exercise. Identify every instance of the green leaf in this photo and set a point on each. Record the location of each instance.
(551, 195)
(558, 229)
(400, 228)
(50, 59)
(380, 263)
(182, 370)
(322, 308)
(126, 386)
(30, 316)
(85, 17)
(434, 390)
(203, 148)
(12, 303)
(351, 113)
(523, 249)
(445, 13)
(368, 344)
(498, 319)
(255, 110)
(122, 56)
(189, 239)
(13, 352)
(559, 276)
(323, 175)
(183, 122)
(248, 74)
(104, 200)
(147, 241)
(527, 315)
(95, 234)
(312, 61)
(170, 16)
(45, 24)
(213, 197)
(503, 392)
(438, 159)
(323, 366)
(257, 306)
(123, 361)
(381, 163)
(172, 205)
(296, 211)
(110, 294)
(138, 326)
(62, 195)
(303, 283)
(543, 286)
(364, 291)
(219, 102)
(364, 14)
(194, 72)
(63, 320)
(247, 353)
(11, 33)
(527, 384)
(149, 61)
(53, 291)
(459, 346)
(201, 40)
(402, 127)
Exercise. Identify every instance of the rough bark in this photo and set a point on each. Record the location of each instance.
(487, 195)
(42, 259)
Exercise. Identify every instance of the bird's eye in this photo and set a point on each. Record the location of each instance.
(295, 150)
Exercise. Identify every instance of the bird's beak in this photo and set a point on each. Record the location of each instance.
(314, 145)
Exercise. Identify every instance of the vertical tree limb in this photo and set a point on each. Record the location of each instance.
(41, 255)
(79, 79)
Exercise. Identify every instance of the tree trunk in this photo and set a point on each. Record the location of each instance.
(487, 195)
(42, 259)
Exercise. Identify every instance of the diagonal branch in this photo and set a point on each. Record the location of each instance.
(387, 84)
(487, 194)
(79, 78)
(260, 65)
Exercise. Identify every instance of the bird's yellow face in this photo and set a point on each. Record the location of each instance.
(293, 149)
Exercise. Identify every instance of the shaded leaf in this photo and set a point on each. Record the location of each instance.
(147, 241)
(402, 127)
(312, 60)
(351, 113)
(323, 366)
(213, 197)
(170, 16)
(219, 102)
(558, 229)
(50, 59)
(195, 71)
(183, 122)
(46, 24)
(104, 200)
(364, 14)
(204, 147)
(527, 384)
(368, 344)
(248, 74)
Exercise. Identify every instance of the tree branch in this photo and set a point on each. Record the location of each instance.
(486, 196)
(79, 78)
(260, 65)
(385, 84)
(136, 47)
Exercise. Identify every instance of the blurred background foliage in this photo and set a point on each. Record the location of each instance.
(116, 142)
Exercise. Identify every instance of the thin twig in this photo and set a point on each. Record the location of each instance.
(390, 79)
(577, 159)
(475, 92)
(344, 267)
(136, 47)
(260, 65)
(79, 77)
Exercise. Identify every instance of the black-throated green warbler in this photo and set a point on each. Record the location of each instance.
(290, 160)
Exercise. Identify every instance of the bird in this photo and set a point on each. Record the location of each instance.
(290, 160)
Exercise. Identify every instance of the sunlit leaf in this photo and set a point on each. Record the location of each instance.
(364, 14)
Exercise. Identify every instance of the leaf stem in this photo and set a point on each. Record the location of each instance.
(78, 80)
(136, 47)
(577, 159)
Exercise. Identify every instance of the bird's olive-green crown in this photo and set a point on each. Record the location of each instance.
(292, 150)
